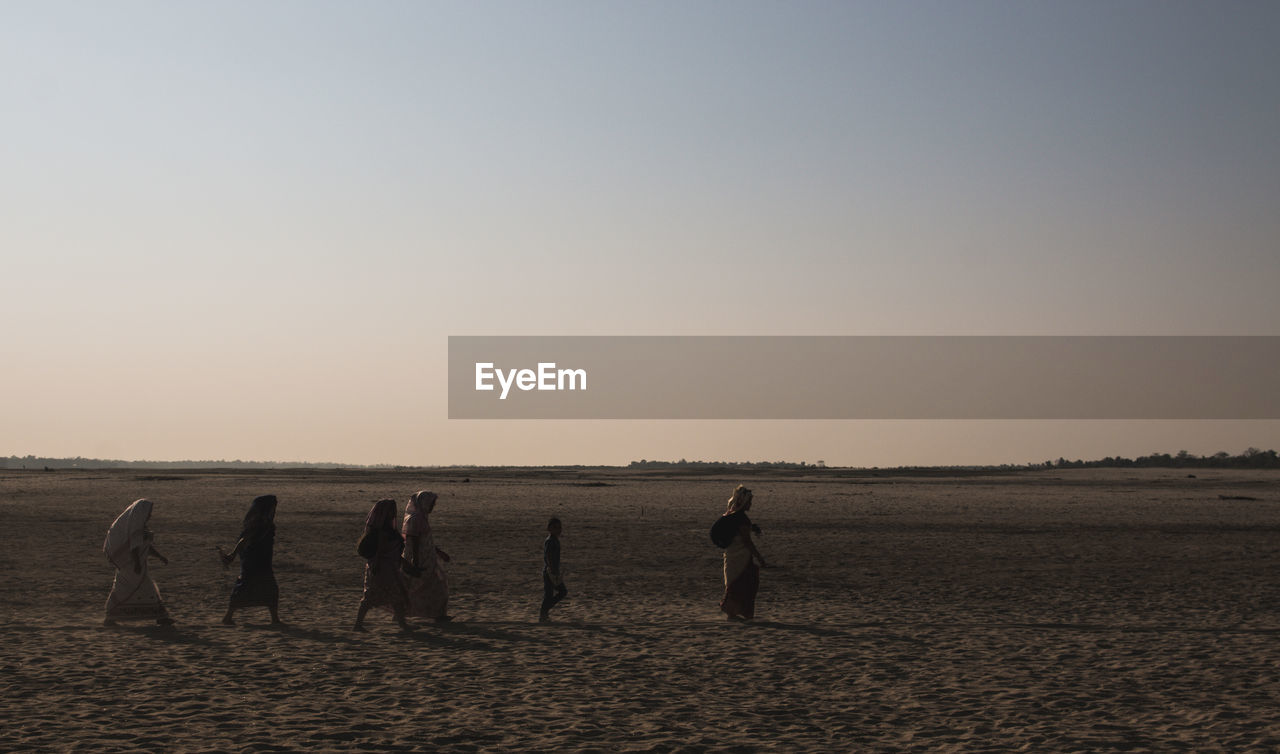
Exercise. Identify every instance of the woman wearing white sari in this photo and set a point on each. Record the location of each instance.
(425, 577)
(128, 546)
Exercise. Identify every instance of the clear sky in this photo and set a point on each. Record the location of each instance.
(245, 230)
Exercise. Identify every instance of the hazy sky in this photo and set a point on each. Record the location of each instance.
(245, 230)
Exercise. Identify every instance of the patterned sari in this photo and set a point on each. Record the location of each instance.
(383, 582)
(428, 588)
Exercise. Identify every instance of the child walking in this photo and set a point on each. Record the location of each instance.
(553, 588)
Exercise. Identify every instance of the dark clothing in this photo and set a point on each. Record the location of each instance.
(383, 582)
(259, 546)
(552, 593)
(553, 588)
(257, 582)
(740, 597)
(727, 528)
(551, 556)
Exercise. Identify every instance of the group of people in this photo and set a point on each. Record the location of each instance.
(404, 570)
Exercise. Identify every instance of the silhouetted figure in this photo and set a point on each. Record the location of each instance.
(553, 588)
(426, 582)
(128, 546)
(741, 576)
(383, 585)
(257, 583)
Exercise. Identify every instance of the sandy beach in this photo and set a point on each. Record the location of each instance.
(1081, 610)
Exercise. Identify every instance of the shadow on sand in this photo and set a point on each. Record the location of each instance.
(307, 634)
(820, 631)
(1131, 629)
(594, 628)
(173, 634)
(463, 636)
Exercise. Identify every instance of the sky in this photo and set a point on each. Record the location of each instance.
(246, 230)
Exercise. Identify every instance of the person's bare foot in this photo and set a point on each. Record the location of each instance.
(166, 621)
(443, 619)
(544, 617)
(228, 622)
(108, 623)
(358, 627)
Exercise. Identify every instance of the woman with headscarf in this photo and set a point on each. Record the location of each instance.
(257, 582)
(383, 584)
(425, 578)
(741, 575)
(128, 546)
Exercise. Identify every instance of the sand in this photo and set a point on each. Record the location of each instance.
(1046, 611)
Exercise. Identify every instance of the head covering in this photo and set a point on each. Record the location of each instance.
(740, 500)
(382, 515)
(420, 504)
(261, 511)
(128, 532)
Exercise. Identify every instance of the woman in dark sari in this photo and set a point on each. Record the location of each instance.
(257, 583)
(741, 576)
(383, 584)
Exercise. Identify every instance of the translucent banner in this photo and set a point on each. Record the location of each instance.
(864, 377)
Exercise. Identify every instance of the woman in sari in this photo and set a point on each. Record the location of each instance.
(425, 579)
(383, 584)
(257, 582)
(128, 546)
(741, 575)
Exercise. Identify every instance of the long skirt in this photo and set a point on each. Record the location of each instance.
(741, 582)
(134, 595)
(428, 593)
(385, 587)
(257, 588)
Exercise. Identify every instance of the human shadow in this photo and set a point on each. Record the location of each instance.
(481, 630)
(819, 631)
(28, 628)
(1142, 629)
(593, 628)
(1101, 628)
(425, 636)
(879, 630)
(307, 634)
(171, 634)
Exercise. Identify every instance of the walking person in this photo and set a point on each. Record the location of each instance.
(129, 546)
(741, 575)
(426, 583)
(553, 588)
(382, 547)
(257, 583)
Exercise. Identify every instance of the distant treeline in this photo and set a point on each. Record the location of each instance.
(38, 462)
(726, 465)
(1249, 459)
